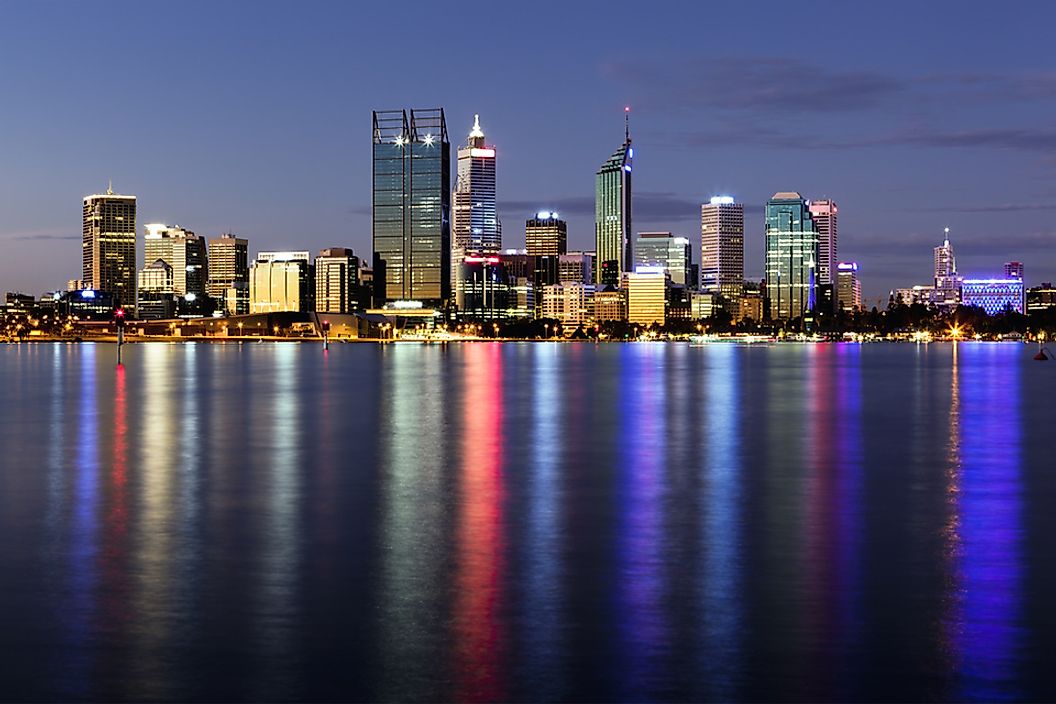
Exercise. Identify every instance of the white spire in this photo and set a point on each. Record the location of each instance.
(476, 132)
(110, 187)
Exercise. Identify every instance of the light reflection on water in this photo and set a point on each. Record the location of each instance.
(516, 521)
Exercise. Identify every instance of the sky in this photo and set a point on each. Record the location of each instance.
(254, 118)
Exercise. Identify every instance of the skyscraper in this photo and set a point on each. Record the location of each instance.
(184, 251)
(229, 273)
(411, 207)
(474, 221)
(662, 249)
(108, 246)
(281, 281)
(791, 256)
(336, 281)
(722, 247)
(545, 235)
(614, 248)
(823, 213)
(848, 286)
(947, 282)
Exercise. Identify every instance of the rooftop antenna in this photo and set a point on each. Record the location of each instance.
(627, 123)
(947, 233)
(110, 187)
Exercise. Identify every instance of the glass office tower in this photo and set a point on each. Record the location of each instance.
(614, 247)
(791, 256)
(108, 246)
(411, 207)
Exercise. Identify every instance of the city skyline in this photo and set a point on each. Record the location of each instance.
(981, 171)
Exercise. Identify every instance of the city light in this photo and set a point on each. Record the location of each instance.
(722, 200)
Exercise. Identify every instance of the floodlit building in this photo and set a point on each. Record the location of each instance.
(848, 286)
(576, 268)
(646, 295)
(824, 214)
(108, 246)
(229, 273)
(572, 303)
(610, 303)
(670, 253)
(791, 256)
(545, 234)
(1041, 298)
(993, 295)
(411, 207)
(485, 291)
(184, 251)
(614, 248)
(337, 281)
(722, 247)
(281, 281)
(947, 290)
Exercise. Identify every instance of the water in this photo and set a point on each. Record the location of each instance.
(527, 521)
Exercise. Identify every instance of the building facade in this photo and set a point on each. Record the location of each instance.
(108, 246)
(572, 304)
(229, 273)
(281, 281)
(184, 251)
(475, 227)
(824, 214)
(646, 295)
(993, 295)
(613, 245)
(947, 290)
(576, 268)
(337, 281)
(545, 235)
(411, 207)
(670, 253)
(791, 256)
(722, 247)
(848, 286)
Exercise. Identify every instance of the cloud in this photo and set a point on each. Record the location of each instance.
(757, 84)
(994, 208)
(40, 236)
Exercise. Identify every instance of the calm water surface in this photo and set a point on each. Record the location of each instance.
(527, 521)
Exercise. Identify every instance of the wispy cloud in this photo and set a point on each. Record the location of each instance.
(39, 236)
(757, 84)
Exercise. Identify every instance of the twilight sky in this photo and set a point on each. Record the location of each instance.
(255, 118)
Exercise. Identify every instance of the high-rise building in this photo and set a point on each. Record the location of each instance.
(572, 303)
(411, 207)
(108, 246)
(1014, 270)
(614, 247)
(722, 247)
(823, 212)
(947, 283)
(791, 256)
(848, 286)
(994, 295)
(336, 281)
(576, 268)
(663, 250)
(229, 273)
(155, 294)
(184, 251)
(545, 235)
(281, 281)
(646, 295)
(474, 220)
(1041, 298)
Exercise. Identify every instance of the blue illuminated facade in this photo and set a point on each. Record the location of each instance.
(993, 295)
